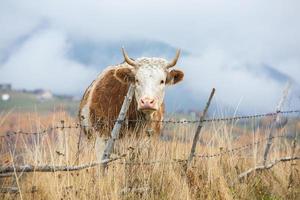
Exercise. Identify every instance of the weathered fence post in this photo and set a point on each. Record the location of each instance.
(294, 144)
(117, 127)
(61, 146)
(276, 119)
(78, 144)
(202, 118)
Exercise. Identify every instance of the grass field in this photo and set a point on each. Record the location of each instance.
(28, 102)
(137, 175)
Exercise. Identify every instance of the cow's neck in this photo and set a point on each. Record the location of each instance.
(149, 117)
(145, 117)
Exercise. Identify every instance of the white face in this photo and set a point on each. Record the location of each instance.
(150, 82)
(150, 79)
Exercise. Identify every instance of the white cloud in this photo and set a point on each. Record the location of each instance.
(41, 62)
(233, 83)
(14, 23)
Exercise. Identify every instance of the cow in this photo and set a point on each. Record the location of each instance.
(102, 100)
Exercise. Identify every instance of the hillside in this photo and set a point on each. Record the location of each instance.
(29, 102)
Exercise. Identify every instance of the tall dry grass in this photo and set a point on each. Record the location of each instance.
(127, 178)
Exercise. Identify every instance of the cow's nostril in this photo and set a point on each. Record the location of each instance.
(151, 102)
(142, 101)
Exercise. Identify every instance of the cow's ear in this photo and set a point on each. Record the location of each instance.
(174, 77)
(124, 75)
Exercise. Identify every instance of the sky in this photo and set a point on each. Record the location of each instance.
(246, 49)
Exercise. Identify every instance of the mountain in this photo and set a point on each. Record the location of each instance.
(105, 53)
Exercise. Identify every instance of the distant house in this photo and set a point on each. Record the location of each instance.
(5, 87)
(43, 94)
(5, 97)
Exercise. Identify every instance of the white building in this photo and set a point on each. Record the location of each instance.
(5, 97)
(45, 95)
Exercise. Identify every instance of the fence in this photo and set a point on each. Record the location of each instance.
(209, 120)
(7, 170)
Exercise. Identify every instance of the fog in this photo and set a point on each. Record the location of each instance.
(247, 50)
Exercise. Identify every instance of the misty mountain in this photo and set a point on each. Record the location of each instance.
(105, 53)
(270, 72)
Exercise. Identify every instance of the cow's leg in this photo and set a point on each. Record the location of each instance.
(99, 147)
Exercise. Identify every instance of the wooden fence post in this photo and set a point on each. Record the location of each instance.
(201, 123)
(78, 144)
(292, 163)
(276, 119)
(118, 124)
(61, 146)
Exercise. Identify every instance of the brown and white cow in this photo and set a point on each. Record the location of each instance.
(103, 99)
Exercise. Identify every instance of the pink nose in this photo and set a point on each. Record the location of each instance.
(147, 103)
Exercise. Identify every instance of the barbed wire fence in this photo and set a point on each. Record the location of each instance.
(7, 170)
(11, 133)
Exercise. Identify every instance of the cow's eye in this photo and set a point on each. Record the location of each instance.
(162, 82)
(136, 81)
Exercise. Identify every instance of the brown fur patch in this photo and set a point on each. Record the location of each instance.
(124, 75)
(175, 76)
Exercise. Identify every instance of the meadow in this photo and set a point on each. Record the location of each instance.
(150, 167)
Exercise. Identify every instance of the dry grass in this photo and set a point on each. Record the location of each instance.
(214, 178)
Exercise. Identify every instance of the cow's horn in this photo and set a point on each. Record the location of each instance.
(129, 60)
(174, 61)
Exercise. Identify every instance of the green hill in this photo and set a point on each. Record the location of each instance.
(29, 102)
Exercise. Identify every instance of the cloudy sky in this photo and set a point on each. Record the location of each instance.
(246, 49)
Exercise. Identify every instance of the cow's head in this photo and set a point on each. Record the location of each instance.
(150, 77)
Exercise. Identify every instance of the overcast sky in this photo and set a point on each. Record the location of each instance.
(230, 43)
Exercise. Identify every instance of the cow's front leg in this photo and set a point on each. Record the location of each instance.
(100, 144)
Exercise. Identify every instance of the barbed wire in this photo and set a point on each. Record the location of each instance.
(243, 147)
(63, 127)
(234, 118)
(253, 116)
(11, 133)
(104, 122)
(164, 161)
(203, 156)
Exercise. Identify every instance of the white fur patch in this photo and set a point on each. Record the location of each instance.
(150, 83)
(99, 147)
(85, 113)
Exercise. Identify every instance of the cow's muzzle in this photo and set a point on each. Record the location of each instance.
(147, 105)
